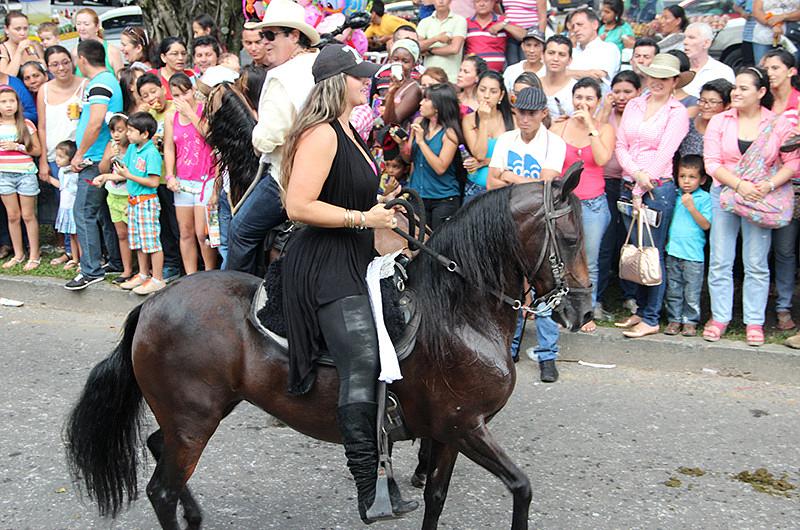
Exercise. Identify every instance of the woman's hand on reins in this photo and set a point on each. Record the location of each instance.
(379, 217)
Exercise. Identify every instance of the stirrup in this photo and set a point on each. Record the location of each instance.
(382, 505)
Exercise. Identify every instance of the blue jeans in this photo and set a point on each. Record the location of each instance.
(611, 244)
(547, 334)
(595, 218)
(261, 212)
(651, 299)
(684, 284)
(755, 250)
(759, 50)
(784, 247)
(93, 222)
(224, 210)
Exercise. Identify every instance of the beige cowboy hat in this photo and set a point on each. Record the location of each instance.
(287, 14)
(664, 66)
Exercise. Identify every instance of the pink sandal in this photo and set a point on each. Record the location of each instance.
(714, 330)
(755, 335)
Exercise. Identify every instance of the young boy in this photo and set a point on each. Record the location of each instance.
(141, 167)
(687, 239)
(48, 34)
(153, 94)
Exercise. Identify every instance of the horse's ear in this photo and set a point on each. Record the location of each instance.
(570, 179)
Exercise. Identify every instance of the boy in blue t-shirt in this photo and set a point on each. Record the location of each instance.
(685, 249)
(141, 167)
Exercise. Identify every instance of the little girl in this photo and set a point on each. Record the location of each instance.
(19, 184)
(67, 183)
(117, 188)
(190, 171)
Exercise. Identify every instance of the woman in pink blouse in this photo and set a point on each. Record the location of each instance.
(727, 137)
(650, 132)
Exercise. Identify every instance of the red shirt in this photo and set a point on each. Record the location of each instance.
(490, 48)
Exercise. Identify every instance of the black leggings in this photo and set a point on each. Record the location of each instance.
(440, 210)
(349, 331)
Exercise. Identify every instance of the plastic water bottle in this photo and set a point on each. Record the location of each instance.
(464, 152)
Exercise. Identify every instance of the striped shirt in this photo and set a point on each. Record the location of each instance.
(649, 144)
(15, 161)
(480, 42)
(522, 13)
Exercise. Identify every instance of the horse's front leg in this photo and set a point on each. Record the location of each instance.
(480, 447)
(441, 460)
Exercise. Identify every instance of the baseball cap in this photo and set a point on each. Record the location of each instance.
(336, 59)
(531, 98)
(534, 33)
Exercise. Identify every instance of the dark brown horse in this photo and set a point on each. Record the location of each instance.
(193, 356)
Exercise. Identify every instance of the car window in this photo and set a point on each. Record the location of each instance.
(122, 21)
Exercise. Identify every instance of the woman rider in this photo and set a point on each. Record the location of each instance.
(331, 184)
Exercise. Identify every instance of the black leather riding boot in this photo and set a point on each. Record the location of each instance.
(349, 331)
(357, 426)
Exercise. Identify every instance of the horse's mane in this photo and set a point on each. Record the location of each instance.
(230, 128)
(482, 238)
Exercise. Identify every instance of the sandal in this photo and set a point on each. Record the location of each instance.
(714, 330)
(71, 264)
(63, 258)
(755, 334)
(673, 328)
(589, 328)
(13, 262)
(689, 330)
(32, 264)
(785, 322)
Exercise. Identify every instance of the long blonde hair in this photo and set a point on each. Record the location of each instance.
(325, 103)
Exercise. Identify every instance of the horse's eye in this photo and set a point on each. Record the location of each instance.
(570, 241)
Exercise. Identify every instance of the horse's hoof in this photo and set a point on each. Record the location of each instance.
(418, 480)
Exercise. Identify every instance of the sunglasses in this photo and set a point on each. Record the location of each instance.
(271, 35)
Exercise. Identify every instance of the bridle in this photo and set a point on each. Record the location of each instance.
(550, 251)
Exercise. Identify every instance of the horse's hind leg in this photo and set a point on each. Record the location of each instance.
(441, 460)
(182, 447)
(423, 456)
(191, 510)
(480, 447)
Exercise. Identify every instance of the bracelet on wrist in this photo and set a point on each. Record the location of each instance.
(736, 189)
(363, 224)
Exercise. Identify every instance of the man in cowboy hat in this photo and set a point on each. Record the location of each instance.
(289, 41)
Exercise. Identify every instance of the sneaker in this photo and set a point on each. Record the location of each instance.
(80, 282)
(109, 268)
(150, 286)
(171, 274)
(631, 305)
(134, 282)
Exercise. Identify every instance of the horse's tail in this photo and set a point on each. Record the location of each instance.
(102, 433)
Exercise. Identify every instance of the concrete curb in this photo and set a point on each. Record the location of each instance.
(49, 292)
(771, 362)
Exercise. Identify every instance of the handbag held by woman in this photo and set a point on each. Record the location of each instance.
(639, 263)
(776, 208)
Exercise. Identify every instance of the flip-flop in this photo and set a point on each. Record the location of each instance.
(63, 258)
(714, 330)
(32, 264)
(13, 262)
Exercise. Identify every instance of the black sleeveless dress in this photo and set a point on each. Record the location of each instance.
(325, 264)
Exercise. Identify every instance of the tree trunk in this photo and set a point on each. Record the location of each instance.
(164, 18)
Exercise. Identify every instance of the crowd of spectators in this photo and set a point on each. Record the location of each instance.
(107, 144)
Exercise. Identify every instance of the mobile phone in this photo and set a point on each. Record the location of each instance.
(651, 216)
(400, 133)
(397, 71)
(85, 163)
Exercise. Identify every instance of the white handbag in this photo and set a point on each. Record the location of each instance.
(638, 263)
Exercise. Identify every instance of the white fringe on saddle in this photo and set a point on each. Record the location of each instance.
(383, 267)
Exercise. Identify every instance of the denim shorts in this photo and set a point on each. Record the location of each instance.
(26, 184)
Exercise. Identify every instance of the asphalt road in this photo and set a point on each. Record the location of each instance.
(598, 446)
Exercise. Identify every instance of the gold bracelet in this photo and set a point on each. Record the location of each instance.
(363, 224)
(347, 218)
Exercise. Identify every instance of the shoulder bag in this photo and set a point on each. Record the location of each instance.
(775, 209)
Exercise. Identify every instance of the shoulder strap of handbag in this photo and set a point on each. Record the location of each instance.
(639, 220)
(754, 152)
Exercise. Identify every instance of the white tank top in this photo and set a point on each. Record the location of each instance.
(58, 126)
